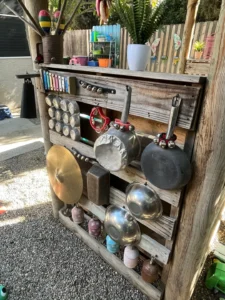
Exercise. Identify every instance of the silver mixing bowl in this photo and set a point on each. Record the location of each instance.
(143, 202)
(121, 226)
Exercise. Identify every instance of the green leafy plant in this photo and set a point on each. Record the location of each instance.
(140, 18)
(199, 46)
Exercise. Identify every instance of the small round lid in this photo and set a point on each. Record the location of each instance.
(66, 118)
(73, 107)
(58, 115)
(63, 104)
(66, 130)
(58, 126)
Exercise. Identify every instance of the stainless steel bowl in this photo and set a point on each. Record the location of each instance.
(121, 226)
(143, 202)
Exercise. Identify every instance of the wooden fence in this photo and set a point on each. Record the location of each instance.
(76, 42)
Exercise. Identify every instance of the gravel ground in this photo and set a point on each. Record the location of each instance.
(41, 259)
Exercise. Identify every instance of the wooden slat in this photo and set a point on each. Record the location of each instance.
(127, 73)
(164, 226)
(195, 67)
(130, 174)
(151, 291)
(146, 243)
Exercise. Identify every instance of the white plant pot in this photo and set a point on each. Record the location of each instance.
(137, 56)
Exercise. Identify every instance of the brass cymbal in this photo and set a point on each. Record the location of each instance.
(64, 174)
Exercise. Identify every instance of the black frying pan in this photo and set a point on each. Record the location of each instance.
(164, 164)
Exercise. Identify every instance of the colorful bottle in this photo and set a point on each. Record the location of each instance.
(111, 245)
(77, 215)
(45, 21)
(94, 227)
(150, 271)
(130, 257)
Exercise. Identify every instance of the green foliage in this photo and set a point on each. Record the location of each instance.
(140, 18)
(199, 46)
(209, 10)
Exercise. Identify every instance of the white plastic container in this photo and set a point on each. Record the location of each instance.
(138, 56)
(130, 257)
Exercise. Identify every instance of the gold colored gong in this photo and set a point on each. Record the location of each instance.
(64, 174)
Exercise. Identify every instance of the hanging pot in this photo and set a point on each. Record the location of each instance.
(121, 226)
(164, 164)
(143, 202)
(116, 148)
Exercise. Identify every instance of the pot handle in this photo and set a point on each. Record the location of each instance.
(126, 107)
(176, 101)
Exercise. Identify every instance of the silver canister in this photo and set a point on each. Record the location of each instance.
(49, 99)
(73, 107)
(51, 123)
(75, 120)
(66, 130)
(75, 134)
(56, 101)
(66, 118)
(59, 126)
(51, 112)
(58, 115)
(64, 104)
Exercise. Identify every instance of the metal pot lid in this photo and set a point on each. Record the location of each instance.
(110, 152)
(64, 174)
(143, 202)
(121, 226)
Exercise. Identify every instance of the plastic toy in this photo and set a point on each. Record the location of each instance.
(216, 277)
(3, 292)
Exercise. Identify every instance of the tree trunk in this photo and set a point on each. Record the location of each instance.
(189, 26)
(33, 38)
(204, 198)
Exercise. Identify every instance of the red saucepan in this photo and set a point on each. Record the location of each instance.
(164, 164)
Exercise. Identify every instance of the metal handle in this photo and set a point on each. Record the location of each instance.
(176, 101)
(126, 107)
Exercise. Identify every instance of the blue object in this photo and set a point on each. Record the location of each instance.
(45, 80)
(111, 245)
(3, 292)
(4, 112)
(93, 63)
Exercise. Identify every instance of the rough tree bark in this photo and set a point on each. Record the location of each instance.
(205, 195)
(33, 38)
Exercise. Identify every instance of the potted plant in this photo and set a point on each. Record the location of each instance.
(198, 47)
(142, 19)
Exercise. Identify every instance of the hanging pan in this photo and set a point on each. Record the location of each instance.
(164, 164)
(117, 147)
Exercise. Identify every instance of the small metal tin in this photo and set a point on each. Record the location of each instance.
(49, 99)
(51, 123)
(75, 120)
(75, 134)
(66, 130)
(77, 215)
(73, 107)
(130, 257)
(64, 104)
(66, 118)
(111, 245)
(51, 112)
(58, 126)
(58, 115)
(56, 102)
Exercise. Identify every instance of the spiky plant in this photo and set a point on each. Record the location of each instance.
(140, 18)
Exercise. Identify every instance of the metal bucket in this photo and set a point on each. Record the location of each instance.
(53, 49)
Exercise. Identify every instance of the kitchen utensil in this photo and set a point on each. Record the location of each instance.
(64, 174)
(143, 202)
(111, 245)
(94, 227)
(164, 164)
(59, 127)
(75, 134)
(77, 215)
(102, 126)
(130, 257)
(105, 62)
(121, 226)
(73, 107)
(75, 120)
(51, 123)
(98, 185)
(150, 271)
(116, 148)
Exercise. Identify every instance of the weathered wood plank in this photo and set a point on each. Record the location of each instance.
(127, 73)
(146, 243)
(130, 174)
(197, 67)
(164, 226)
(151, 291)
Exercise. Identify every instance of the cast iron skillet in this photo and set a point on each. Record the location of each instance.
(164, 164)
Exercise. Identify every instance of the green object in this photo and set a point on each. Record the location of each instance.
(3, 293)
(95, 34)
(199, 46)
(216, 277)
(141, 18)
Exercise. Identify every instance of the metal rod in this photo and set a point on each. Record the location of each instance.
(173, 116)
(84, 116)
(42, 33)
(21, 18)
(73, 14)
(60, 16)
(126, 107)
